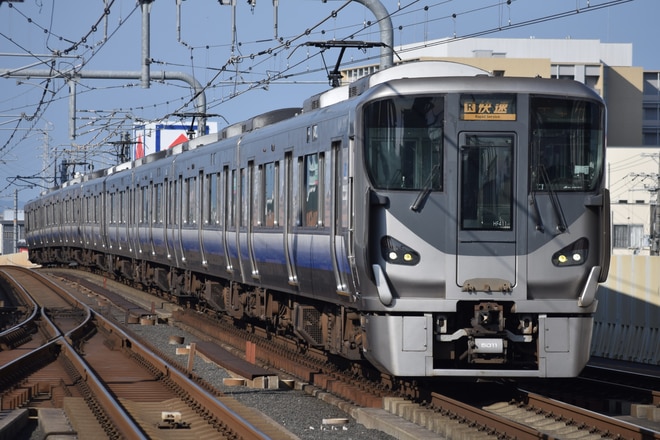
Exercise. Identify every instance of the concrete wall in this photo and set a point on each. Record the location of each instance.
(627, 322)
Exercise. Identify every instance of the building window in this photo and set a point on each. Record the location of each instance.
(628, 236)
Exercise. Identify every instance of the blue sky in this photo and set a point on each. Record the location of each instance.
(241, 69)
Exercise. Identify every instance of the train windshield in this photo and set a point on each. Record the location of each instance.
(567, 140)
(404, 142)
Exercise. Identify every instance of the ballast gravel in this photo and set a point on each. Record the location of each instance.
(299, 412)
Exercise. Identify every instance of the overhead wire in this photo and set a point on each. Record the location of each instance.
(54, 71)
(283, 45)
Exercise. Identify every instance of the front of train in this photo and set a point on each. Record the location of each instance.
(482, 225)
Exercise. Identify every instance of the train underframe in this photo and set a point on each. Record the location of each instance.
(332, 327)
(482, 338)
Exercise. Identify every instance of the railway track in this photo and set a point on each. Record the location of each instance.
(525, 416)
(96, 371)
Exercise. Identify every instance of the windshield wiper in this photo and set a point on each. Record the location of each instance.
(418, 204)
(554, 200)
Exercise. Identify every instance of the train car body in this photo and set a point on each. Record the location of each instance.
(436, 224)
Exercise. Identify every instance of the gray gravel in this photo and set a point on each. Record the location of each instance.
(299, 412)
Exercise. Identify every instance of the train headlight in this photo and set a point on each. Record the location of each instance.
(572, 255)
(395, 252)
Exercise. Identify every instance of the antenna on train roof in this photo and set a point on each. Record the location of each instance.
(191, 131)
(335, 76)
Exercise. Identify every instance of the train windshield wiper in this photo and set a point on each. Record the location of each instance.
(554, 199)
(418, 204)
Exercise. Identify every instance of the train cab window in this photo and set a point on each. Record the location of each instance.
(404, 142)
(486, 181)
(567, 141)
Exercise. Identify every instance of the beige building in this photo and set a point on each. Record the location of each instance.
(633, 104)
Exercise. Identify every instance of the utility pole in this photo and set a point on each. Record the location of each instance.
(654, 205)
(654, 219)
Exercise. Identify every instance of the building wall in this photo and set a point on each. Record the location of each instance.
(564, 50)
(529, 67)
(631, 95)
(623, 94)
(633, 174)
(651, 118)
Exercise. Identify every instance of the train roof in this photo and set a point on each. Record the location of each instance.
(454, 75)
(417, 69)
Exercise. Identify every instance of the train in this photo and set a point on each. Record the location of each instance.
(431, 219)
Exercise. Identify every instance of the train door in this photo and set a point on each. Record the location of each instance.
(225, 208)
(139, 219)
(167, 217)
(66, 219)
(203, 193)
(251, 205)
(123, 219)
(129, 217)
(102, 215)
(180, 213)
(339, 211)
(242, 203)
(233, 211)
(173, 221)
(111, 208)
(289, 218)
(152, 213)
(486, 254)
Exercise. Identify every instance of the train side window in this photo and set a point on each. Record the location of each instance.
(174, 201)
(85, 215)
(136, 205)
(122, 201)
(224, 205)
(111, 207)
(157, 203)
(310, 197)
(144, 194)
(231, 205)
(193, 201)
(255, 194)
(212, 199)
(184, 201)
(242, 199)
(324, 197)
(269, 195)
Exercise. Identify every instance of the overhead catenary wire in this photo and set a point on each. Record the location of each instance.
(261, 59)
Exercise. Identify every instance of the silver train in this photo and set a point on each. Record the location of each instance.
(429, 219)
